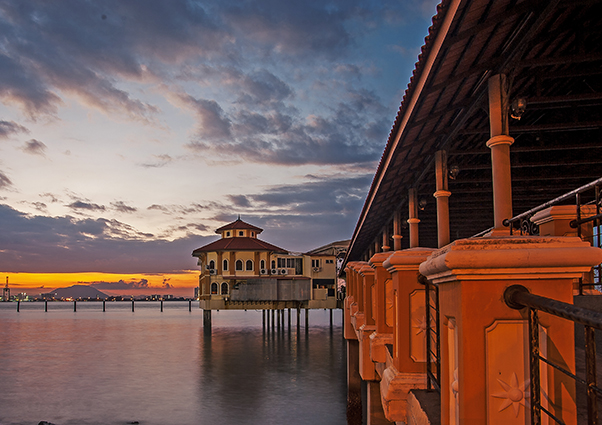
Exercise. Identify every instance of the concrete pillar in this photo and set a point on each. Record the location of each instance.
(413, 217)
(354, 384)
(350, 299)
(484, 344)
(407, 370)
(499, 143)
(207, 319)
(374, 410)
(442, 195)
(397, 231)
(383, 309)
(367, 370)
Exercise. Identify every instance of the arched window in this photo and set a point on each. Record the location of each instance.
(211, 264)
(238, 264)
(224, 288)
(225, 265)
(249, 265)
(273, 264)
(262, 264)
(241, 233)
(214, 288)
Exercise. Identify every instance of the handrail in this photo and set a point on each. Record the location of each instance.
(554, 201)
(518, 297)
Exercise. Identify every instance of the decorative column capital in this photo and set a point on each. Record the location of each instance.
(502, 139)
(442, 193)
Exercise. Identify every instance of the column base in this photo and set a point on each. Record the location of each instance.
(394, 390)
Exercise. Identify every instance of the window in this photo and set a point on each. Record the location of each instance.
(262, 264)
(241, 233)
(281, 263)
(238, 264)
(315, 263)
(214, 288)
(249, 265)
(225, 265)
(273, 264)
(252, 234)
(329, 262)
(211, 264)
(227, 233)
(224, 288)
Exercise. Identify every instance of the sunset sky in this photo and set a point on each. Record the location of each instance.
(131, 130)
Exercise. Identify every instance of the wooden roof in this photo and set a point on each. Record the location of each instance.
(551, 52)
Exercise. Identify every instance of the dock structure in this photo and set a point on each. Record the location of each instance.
(489, 187)
(239, 271)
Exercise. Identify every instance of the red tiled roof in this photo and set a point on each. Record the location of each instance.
(238, 244)
(239, 224)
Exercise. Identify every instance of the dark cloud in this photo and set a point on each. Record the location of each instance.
(119, 285)
(213, 124)
(34, 147)
(32, 243)
(122, 207)
(81, 205)
(5, 182)
(239, 200)
(181, 209)
(8, 128)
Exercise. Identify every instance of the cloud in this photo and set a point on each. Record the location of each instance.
(159, 161)
(5, 182)
(81, 205)
(122, 207)
(8, 128)
(36, 243)
(213, 124)
(34, 147)
(119, 285)
(239, 200)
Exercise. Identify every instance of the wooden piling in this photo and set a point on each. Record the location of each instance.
(132, 306)
(189, 305)
(161, 306)
(306, 318)
(46, 305)
(18, 305)
(104, 305)
(74, 305)
(207, 319)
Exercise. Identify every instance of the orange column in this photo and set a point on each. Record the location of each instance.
(407, 370)
(484, 348)
(499, 143)
(442, 195)
(413, 217)
(397, 231)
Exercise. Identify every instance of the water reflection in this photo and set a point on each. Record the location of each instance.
(274, 374)
(89, 367)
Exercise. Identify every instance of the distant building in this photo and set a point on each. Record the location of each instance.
(241, 267)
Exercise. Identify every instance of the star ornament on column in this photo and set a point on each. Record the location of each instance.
(514, 394)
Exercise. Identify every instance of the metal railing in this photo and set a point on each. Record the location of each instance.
(518, 297)
(527, 227)
(433, 340)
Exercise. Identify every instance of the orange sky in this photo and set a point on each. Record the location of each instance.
(181, 284)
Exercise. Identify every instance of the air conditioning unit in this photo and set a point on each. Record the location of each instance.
(206, 267)
(317, 269)
(264, 271)
(290, 271)
(274, 271)
(283, 271)
(212, 271)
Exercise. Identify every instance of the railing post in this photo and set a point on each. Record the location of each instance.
(484, 375)
(590, 373)
(534, 367)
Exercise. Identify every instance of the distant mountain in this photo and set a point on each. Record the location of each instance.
(79, 291)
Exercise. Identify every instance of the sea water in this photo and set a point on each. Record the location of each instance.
(151, 367)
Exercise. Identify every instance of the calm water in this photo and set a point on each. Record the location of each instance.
(90, 367)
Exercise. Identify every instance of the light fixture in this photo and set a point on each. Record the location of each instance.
(422, 204)
(517, 108)
(454, 170)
